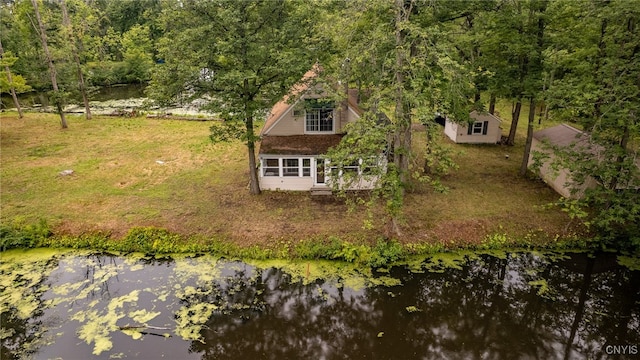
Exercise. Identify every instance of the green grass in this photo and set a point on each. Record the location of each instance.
(201, 189)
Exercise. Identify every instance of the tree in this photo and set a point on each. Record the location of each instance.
(57, 96)
(74, 43)
(240, 56)
(10, 83)
(597, 85)
(137, 53)
(534, 72)
(402, 56)
(509, 51)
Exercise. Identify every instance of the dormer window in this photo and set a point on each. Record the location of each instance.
(319, 116)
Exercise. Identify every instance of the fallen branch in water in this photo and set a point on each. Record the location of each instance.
(143, 327)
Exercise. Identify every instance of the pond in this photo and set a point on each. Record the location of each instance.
(521, 305)
(106, 100)
(101, 94)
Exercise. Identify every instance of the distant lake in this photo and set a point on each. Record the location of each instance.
(116, 92)
(107, 100)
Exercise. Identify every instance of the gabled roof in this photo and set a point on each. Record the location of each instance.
(477, 116)
(561, 135)
(298, 144)
(280, 108)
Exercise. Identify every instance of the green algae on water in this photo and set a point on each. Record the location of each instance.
(544, 290)
(631, 263)
(23, 279)
(439, 262)
(340, 273)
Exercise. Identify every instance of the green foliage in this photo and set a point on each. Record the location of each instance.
(226, 131)
(137, 53)
(18, 83)
(147, 240)
(495, 241)
(596, 71)
(317, 249)
(382, 254)
(58, 99)
(22, 235)
(438, 157)
(387, 251)
(424, 248)
(240, 56)
(106, 73)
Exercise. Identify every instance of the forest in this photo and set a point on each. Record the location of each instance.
(570, 61)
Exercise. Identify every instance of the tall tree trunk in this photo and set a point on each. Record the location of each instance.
(545, 110)
(11, 87)
(76, 58)
(597, 112)
(402, 141)
(515, 116)
(492, 104)
(527, 145)
(254, 185)
(624, 142)
(52, 68)
(429, 138)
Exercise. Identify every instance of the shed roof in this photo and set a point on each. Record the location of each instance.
(477, 116)
(299, 144)
(562, 135)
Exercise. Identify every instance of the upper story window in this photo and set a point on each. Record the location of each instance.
(319, 116)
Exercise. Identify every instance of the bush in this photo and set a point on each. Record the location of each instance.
(106, 73)
(20, 235)
(317, 249)
(148, 240)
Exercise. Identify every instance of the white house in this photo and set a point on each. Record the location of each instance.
(297, 134)
(484, 130)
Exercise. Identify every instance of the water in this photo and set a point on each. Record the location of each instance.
(107, 100)
(467, 306)
(102, 94)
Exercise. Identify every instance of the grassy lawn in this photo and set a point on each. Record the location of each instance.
(166, 173)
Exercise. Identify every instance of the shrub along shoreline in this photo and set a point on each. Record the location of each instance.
(157, 241)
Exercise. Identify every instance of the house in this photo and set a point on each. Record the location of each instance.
(561, 136)
(297, 135)
(485, 129)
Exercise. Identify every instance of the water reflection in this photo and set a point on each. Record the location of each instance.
(519, 306)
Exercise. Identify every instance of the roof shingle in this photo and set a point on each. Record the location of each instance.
(298, 144)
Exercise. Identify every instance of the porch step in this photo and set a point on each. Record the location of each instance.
(321, 191)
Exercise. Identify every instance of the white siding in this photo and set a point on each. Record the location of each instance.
(559, 180)
(301, 183)
(451, 129)
(286, 183)
(458, 133)
(289, 124)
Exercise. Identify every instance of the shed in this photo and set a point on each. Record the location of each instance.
(485, 129)
(560, 136)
